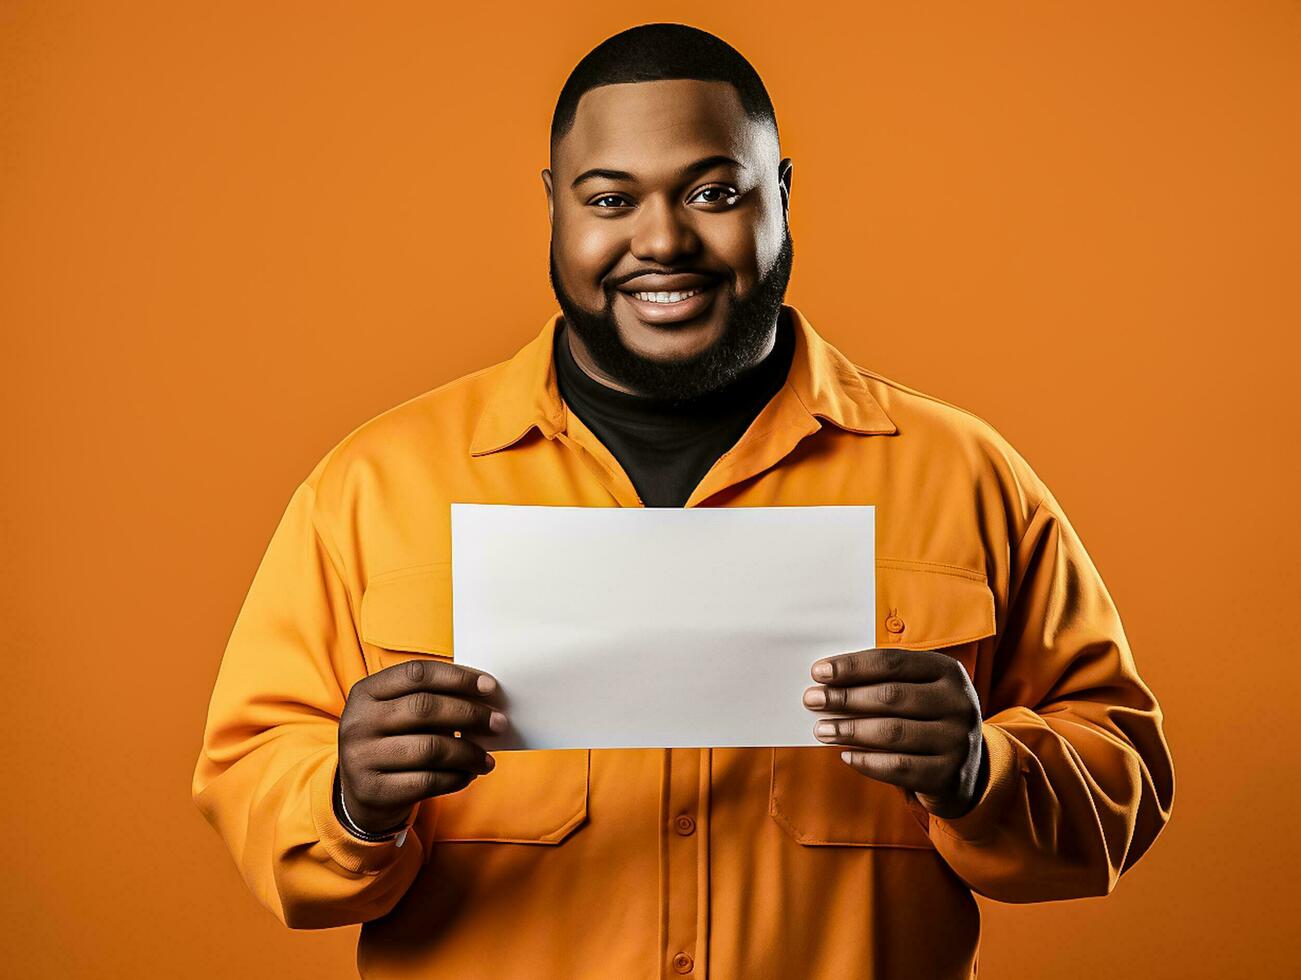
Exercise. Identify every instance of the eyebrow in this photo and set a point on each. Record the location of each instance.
(706, 163)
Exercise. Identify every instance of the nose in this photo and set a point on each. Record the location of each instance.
(661, 234)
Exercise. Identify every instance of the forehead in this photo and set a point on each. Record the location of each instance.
(640, 126)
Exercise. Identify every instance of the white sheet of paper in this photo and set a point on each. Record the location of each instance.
(613, 627)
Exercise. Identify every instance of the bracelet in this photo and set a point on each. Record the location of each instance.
(399, 837)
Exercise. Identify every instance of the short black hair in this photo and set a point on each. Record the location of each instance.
(651, 52)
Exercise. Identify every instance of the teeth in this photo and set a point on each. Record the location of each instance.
(665, 297)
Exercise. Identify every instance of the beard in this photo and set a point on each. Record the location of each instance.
(751, 320)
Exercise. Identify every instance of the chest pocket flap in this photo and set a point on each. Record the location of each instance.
(409, 611)
(926, 605)
(818, 799)
(531, 797)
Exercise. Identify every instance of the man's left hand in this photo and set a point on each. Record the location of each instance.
(916, 723)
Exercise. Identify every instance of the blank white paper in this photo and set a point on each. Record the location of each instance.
(659, 627)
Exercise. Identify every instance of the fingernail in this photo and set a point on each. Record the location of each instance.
(497, 721)
(824, 728)
(486, 684)
(823, 670)
(816, 698)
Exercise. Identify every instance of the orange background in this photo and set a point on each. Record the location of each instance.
(230, 233)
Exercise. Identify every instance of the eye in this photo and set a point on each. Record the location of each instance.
(596, 202)
(723, 194)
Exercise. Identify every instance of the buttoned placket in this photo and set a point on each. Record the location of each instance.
(684, 862)
(684, 822)
(684, 780)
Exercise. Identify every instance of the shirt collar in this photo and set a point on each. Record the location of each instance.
(826, 384)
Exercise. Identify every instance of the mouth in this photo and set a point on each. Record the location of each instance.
(671, 306)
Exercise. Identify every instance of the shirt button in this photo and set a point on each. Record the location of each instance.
(684, 825)
(683, 963)
(894, 624)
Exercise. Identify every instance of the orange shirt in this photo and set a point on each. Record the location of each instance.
(663, 863)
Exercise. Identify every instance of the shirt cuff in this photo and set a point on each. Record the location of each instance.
(983, 818)
(345, 848)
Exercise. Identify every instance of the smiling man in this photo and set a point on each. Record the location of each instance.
(670, 265)
(999, 740)
(670, 257)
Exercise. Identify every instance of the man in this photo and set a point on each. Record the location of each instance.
(1001, 742)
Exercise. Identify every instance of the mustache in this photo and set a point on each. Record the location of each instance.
(712, 275)
(610, 286)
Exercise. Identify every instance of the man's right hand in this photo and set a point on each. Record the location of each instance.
(396, 742)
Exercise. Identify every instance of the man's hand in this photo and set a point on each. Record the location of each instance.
(916, 723)
(396, 741)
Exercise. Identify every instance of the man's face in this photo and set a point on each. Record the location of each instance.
(669, 187)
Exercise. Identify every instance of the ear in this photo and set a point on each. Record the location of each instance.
(551, 204)
(784, 179)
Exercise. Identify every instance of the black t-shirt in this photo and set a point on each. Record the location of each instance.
(667, 447)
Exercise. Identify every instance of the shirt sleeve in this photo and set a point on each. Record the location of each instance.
(265, 777)
(1081, 779)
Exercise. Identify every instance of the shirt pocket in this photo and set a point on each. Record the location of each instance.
(814, 796)
(531, 797)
